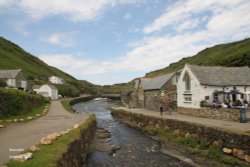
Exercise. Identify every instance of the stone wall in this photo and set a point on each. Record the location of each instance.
(220, 114)
(155, 98)
(78, 150)
(236, 144)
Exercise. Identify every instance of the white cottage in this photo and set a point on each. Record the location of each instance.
(14, 78)
(46, 91)
(56, 80)
(200, 83)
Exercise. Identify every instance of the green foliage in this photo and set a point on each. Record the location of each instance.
(46, 155)
(35, 70)
(232, 54)
(67, 90)
(3, 83)
(16, 102)
(66, 105)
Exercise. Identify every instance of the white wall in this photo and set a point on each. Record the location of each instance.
(11, 82)
(47, 91)
(194, 91)
(199, 91)
(56, 80)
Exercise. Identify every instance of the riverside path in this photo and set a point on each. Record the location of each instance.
(21, 136)
(220, 124)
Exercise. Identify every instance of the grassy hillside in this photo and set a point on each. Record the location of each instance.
(232, 54)
(35, 70)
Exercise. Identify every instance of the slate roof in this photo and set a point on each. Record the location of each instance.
(156, 82)
(221, 76)
(7, 74)
(36, 86)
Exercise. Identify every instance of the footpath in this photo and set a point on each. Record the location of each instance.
(20, 136)
(220, 124)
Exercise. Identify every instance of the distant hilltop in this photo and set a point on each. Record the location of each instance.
(230, 55)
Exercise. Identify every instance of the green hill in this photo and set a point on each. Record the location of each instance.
(36, 71)
(231, 54)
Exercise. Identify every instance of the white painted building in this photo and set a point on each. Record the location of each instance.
(199, 83)
(46, 91)
(56, 80)
(14, 78)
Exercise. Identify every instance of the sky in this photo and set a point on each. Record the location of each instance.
(115, 41)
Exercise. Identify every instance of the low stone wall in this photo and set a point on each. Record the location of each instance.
(220, 114)
(236, 144)
(80, 99)
(78, 150)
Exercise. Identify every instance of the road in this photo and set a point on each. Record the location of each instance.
(19, 136)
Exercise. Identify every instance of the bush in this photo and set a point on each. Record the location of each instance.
(3, 83)
(68, 90)
(16, 102)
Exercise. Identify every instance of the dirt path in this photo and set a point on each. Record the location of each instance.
(19, 136)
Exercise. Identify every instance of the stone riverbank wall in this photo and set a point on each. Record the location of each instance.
(220, 114)
(235, 144)
(78, 150)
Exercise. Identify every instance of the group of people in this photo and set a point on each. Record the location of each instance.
(230, 104)
(170, 109)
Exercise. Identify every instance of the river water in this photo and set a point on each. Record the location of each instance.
(136, 149)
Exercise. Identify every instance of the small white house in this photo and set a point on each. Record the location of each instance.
(56, 80)
(199, 83)
(14, 78)
(46, 91)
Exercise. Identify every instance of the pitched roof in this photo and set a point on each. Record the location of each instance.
(36, 86)
(6, 74)
(156, 82)
(221, 76)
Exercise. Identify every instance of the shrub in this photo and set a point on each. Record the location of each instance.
(15, 102)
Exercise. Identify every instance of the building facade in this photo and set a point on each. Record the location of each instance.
(56, 80)
(150, 93)
(46, 91)
(210, 84)
(14, 78)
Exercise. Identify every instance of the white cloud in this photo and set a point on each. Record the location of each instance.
(127, 16)
(74, 10)
(186, 9)
(63, 39)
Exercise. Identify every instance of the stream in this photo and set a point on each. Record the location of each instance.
(132, 148)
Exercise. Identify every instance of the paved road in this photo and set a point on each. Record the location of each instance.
(226, 125)
(24, 135)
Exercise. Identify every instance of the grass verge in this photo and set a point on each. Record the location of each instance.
(49, 154)
(66, 105)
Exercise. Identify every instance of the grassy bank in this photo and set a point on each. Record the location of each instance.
(170, 135)
(49, 154)
(66, 105)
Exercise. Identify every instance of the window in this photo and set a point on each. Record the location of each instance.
(174, 97)
(216, 97)
(188, 98)
(187, 81)
(207, 97)
(242, 96)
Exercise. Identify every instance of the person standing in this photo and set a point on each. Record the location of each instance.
(161, 110)
(170, 109)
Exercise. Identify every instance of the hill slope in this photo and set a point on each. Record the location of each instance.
(35, 70)
(231, 54)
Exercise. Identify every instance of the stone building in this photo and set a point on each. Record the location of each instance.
(150, 93)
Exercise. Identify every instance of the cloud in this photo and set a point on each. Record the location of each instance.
(127, 16)
(183, 10)
(73, 10)
(62, 39)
